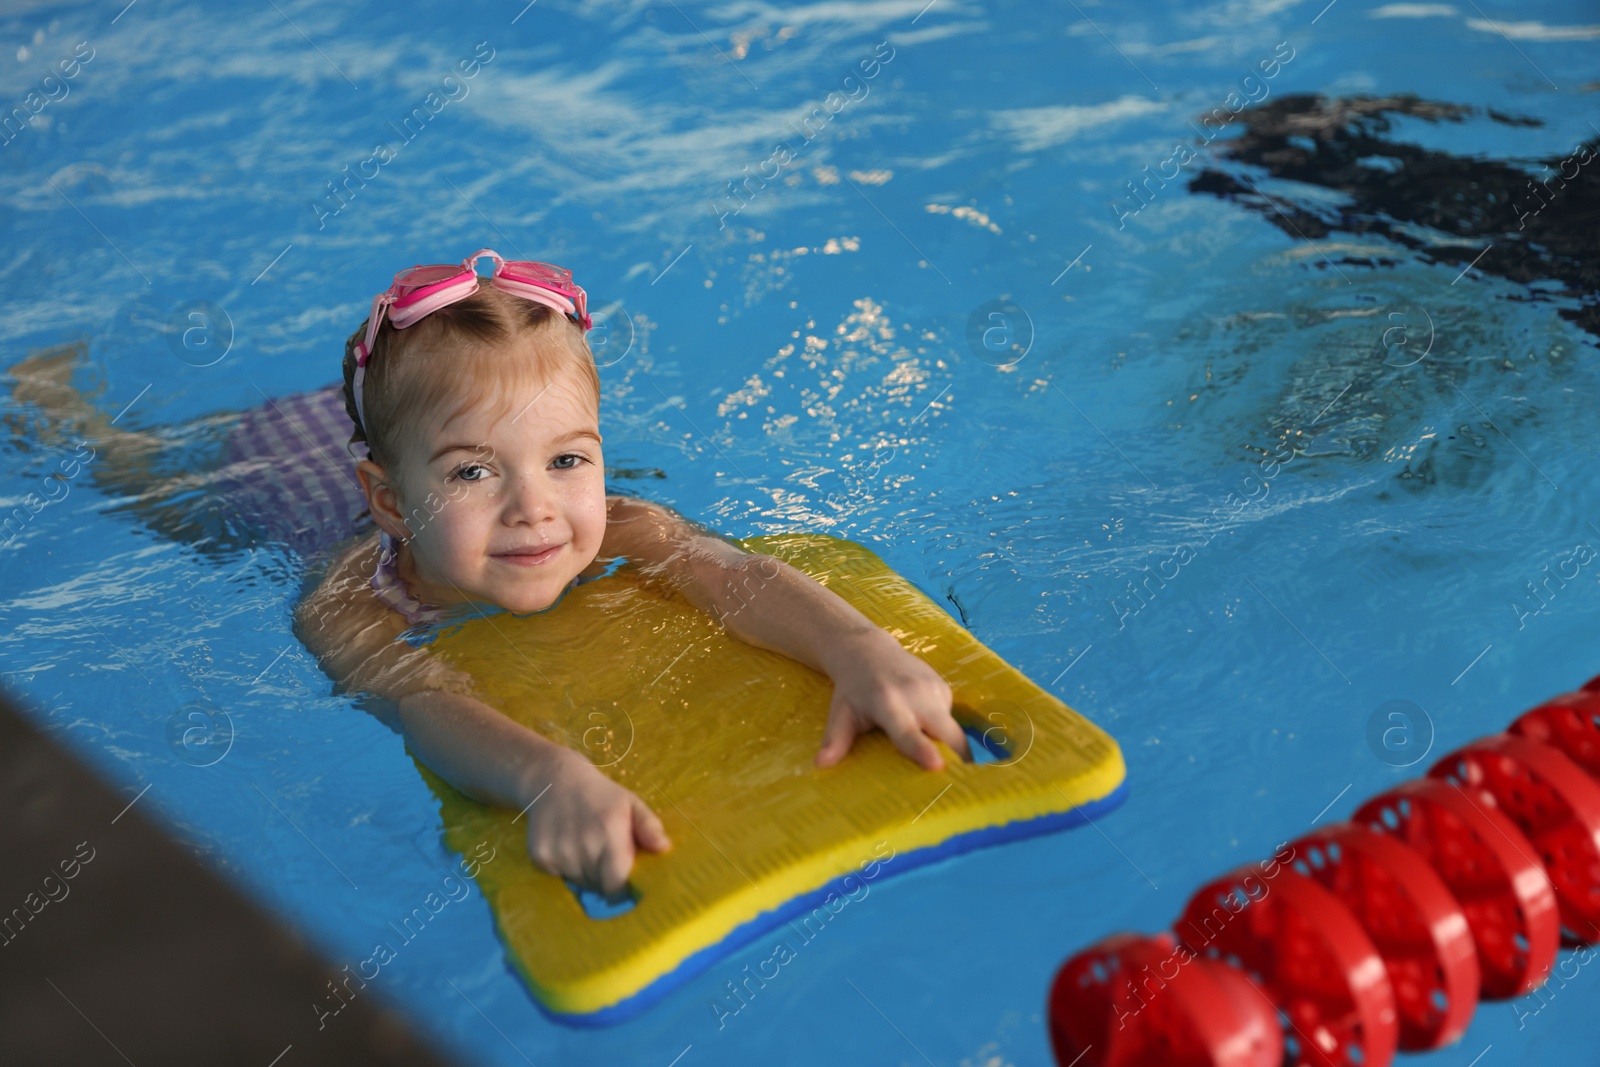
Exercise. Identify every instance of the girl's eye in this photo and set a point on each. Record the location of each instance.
(579, 460)
(465, 472)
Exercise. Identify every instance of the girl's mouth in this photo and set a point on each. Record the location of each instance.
(528, 557)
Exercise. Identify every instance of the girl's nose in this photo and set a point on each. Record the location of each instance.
(529, 499)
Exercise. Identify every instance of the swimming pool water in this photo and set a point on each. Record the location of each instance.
(821, 355)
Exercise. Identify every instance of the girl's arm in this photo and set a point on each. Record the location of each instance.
(581, 825)
(767, 603)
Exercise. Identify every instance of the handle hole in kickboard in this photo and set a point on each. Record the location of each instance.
(596, 906)
(984, 745)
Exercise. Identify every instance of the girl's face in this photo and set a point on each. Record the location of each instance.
(502, 508)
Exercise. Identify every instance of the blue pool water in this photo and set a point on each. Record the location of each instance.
(818, 360)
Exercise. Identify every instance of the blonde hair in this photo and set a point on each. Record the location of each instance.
(455, 357)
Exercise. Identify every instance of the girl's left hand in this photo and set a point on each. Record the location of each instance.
(887, 687)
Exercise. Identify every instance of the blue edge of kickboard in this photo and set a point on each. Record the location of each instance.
(743, 935)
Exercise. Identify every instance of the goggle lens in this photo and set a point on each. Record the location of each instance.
(417, 277)
(543, 273)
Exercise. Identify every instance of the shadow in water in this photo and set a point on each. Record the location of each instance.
(1538, 223)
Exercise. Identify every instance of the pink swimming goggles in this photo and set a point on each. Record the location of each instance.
(421, 290)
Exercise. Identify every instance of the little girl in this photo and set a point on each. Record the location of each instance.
(478, 401)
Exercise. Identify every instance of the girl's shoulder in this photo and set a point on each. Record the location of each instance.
(353, 633)
(348, 563)
(344, 623)
(344, 585)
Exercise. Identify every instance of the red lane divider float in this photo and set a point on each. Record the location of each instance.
(1132, 1000)
(1554, 803)
(1490, 868)
(1570, 722)
(1368, 936)
(1301, 947)
(1416, 924)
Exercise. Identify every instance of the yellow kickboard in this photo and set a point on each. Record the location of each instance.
(718, 737)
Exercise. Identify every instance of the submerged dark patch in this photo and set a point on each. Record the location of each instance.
(1445, 208)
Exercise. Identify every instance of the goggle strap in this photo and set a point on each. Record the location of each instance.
(361, 411)
(537, 293)
(404, 310)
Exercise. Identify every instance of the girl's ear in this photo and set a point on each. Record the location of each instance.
(382, 500)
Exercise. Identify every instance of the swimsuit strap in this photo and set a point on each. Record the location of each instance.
(392, 589)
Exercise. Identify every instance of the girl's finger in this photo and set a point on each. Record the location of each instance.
(648, 831)
(542, 857)
(838, 737)
(906, 733)
(571, 865)
(944, 727)
(616, 860)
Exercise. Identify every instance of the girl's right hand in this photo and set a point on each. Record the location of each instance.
(584, 827)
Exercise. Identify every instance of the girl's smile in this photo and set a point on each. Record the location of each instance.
(528, 557)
